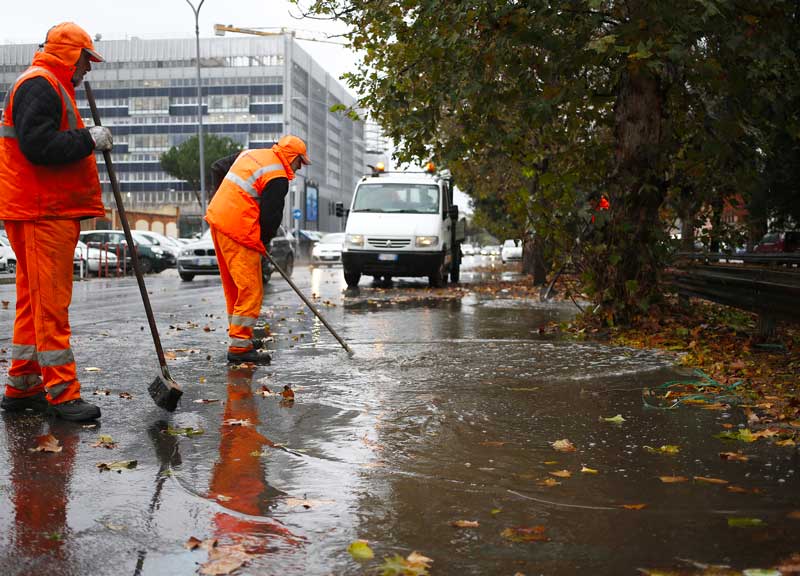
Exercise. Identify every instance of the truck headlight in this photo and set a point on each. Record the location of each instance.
(425, 241)
(355, 239)
(157, 251)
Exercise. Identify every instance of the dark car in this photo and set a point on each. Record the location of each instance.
(152, 258)
(305, 240)
(780, 241)
(200, 259)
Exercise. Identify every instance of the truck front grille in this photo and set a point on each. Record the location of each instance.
(389, 242)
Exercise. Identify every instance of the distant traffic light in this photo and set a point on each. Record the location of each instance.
(340, 209)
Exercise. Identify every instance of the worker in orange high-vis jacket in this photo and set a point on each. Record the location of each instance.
(244, 215)
(48, 183)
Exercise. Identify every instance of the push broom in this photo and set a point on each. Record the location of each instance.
(163, 389)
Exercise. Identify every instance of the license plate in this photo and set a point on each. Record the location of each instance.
(387, 257)
(206, 261)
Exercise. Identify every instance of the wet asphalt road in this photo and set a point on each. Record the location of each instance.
(446, 412)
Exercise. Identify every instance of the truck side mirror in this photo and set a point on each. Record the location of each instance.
(453, 213)
(339, 209)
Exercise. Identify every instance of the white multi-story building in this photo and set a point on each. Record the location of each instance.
(255, 89)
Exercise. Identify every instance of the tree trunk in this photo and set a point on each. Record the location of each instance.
(629, 274)
(533, 261)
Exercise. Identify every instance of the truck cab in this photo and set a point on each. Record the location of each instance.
(403, 224)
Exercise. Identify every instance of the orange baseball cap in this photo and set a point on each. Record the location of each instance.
(295, 145)
(70, 36)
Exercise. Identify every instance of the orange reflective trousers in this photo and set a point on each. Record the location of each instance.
(41, 357)
(240, 270)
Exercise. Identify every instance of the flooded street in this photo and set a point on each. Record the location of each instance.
(447, 412)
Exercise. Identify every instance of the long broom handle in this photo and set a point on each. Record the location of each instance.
(310, 305)
(112, 175)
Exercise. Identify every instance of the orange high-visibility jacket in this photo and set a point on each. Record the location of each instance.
(235, 208)
(36, 192)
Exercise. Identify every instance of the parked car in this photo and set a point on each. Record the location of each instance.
(170, 245)
(511, 251)
(200, 258)
(779, 241)
(93, 260)
(490, 250)
(467, 250)
(152, 258)
(8, 260)
(329, 249)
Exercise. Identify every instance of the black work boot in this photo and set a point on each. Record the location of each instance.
(253, 355)
(37, 403)
(76, 410)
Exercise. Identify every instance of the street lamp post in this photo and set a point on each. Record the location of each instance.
(200, 113)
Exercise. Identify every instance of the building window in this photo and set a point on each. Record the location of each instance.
(148, 105)
(229, 103)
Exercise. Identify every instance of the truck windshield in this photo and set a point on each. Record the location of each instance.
(409, 198)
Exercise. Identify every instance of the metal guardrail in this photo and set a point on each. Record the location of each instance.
(766, 284)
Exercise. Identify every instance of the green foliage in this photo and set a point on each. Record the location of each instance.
(669, 109)
(183, 162)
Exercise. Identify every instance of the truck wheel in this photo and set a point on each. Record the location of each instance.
(439, 276)
(455, 265)
(352, 277)
(186, 277)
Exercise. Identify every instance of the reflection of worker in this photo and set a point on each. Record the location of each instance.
(48, 183)
(237, 479)
(39, 484)
(244, 216)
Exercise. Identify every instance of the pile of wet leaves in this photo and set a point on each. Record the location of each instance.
(732, 364)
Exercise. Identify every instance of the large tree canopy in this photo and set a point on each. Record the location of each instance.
(665, 108)
(183, 161)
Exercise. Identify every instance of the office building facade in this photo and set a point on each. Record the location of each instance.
(255, 89)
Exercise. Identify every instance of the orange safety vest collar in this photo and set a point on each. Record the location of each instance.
(37, 192)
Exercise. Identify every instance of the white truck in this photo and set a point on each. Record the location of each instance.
(403, 224)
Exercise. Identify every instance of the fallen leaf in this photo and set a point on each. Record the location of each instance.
(665, 449)
(46, 443)
(563, 445)
(118, 465)
(413, 565)
(787, 442)
(743, 434)
(287, 393)
(733, 456)
(672, 479)
(464, 523)
(561, 473)
(736, 489)
(92, 369)
(170, 355)
(634, 506)
(102, 392)
(126, 395)
(710, 480)
(206, 400)
(550, 462)
(266, 392)
(549, 482)
(360, 550)
(521, 534)
(493, 443)
(5, 304)
(104, 441)
(794, 515)
(745, 522)
(188, 431)
(618, 419)
(586, 470)
(495, 511)
(223, 498)
(224, 560)
(192, 543)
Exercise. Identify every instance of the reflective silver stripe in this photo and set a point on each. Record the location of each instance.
(240, 342)
(56, 357)
(7, 132)
(247, 189)
(263, 170)
(242, 320)
(72, 114)
(23, 352)
(57, 390)
(25, 381)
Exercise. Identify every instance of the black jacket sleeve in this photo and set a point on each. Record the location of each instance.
(219, 169)
(272, 199)
(37, 117)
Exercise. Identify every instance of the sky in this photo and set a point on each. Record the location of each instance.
(119, 19)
